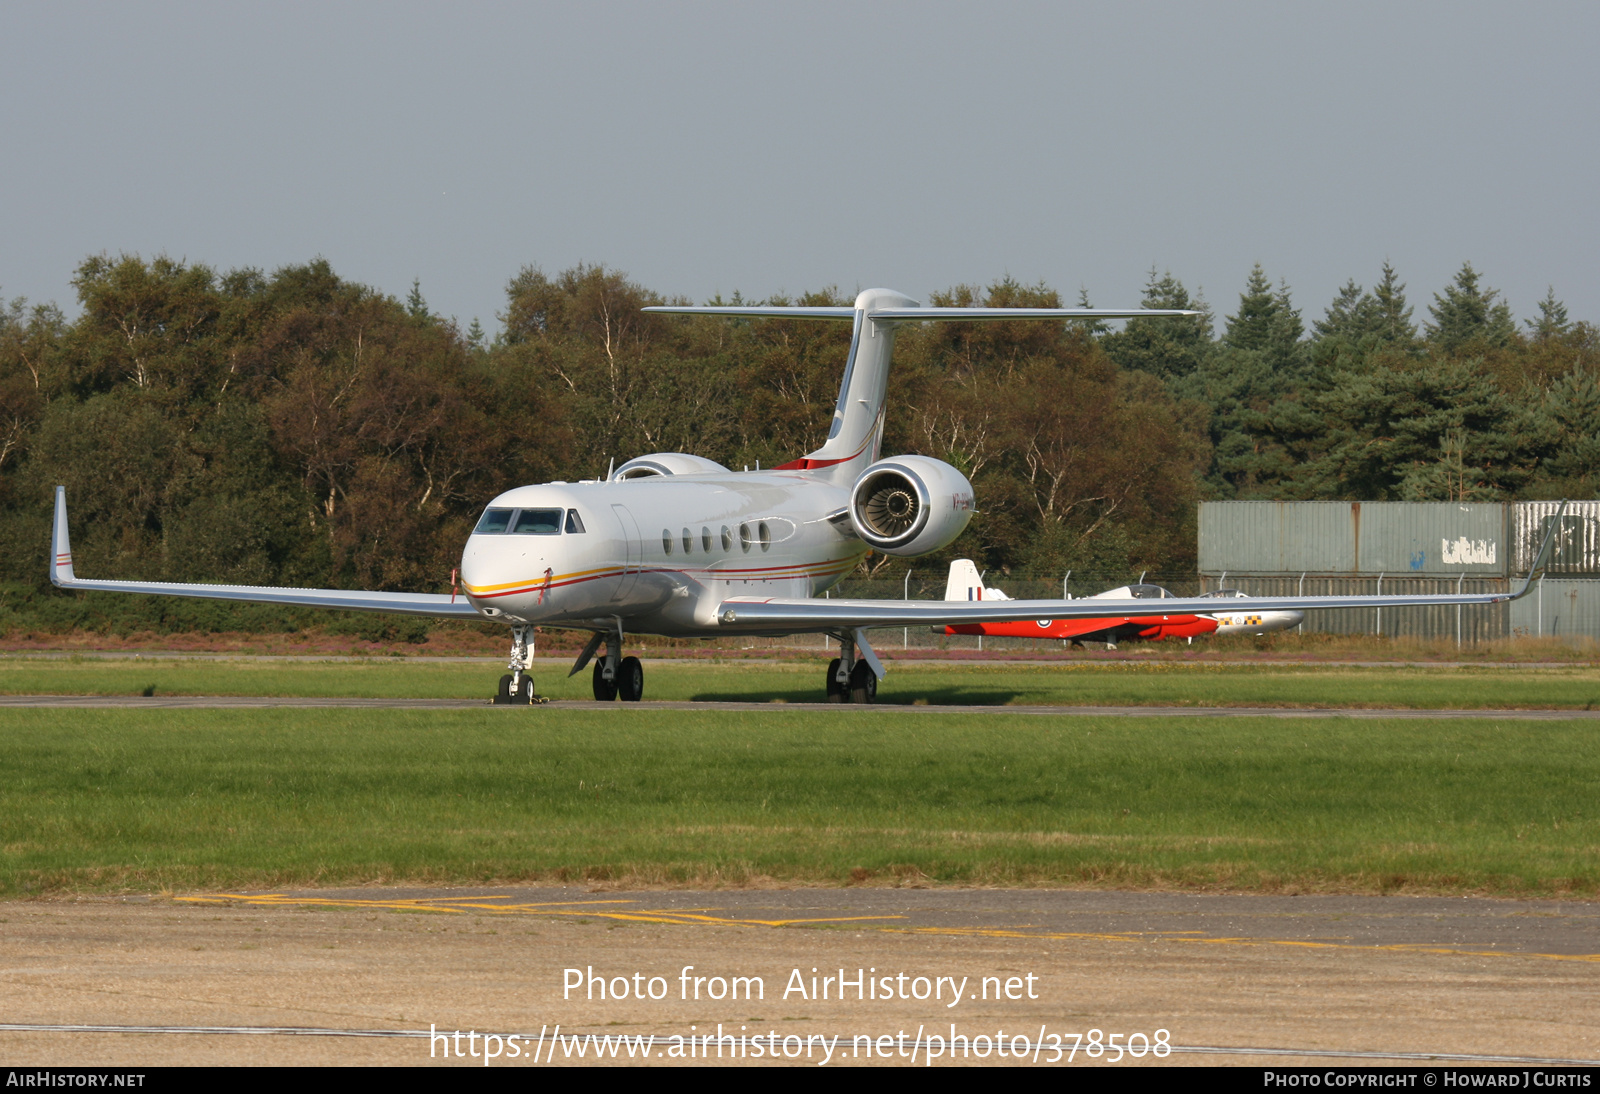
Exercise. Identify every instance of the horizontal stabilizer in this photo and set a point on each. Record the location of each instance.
(923, 315)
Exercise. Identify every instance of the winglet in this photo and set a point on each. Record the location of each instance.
(61, 574)
(1536, 569)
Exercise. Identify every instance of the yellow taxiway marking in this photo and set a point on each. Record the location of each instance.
(1196, 936)
(586, 908)
(601, 909)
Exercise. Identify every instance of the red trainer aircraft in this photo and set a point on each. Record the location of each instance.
(967, 584)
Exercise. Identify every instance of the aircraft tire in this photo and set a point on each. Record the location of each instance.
(524, 696)
(630, 680)
(863, 684)
(604, 691)
(502, 695)
(836, 693)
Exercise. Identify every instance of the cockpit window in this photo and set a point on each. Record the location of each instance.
(574, 523)
(493, 521)
(539, 522)
(1147, 592)
(1227, 594)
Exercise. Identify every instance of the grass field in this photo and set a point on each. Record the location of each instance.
(1114, 684)
(181, 799)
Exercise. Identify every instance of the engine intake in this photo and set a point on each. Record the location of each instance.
(910, 505)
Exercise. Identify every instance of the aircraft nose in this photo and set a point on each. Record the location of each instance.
(499, 566)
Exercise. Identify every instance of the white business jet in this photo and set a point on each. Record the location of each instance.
(676, 545)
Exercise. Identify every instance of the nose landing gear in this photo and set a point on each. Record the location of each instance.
(516, 686)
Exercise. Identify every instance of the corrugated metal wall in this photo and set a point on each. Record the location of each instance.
(1330, 537)
(1559, 608)
(1577, 546)
(1342, 548)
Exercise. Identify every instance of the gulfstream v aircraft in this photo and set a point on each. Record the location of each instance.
(677, 545)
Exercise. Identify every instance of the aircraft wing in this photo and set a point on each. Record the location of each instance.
(787, 616)
(430, 604)
(779, 615)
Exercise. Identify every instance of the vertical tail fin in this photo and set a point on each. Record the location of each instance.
(856, 434)
(965, 583)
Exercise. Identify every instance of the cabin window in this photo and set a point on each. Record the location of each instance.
(765, 534)
(493, 522)
(744, 537)
(688, 541)
(727, 539)
(538, 522)
(666, 541)
(574, 523)
(705, 539)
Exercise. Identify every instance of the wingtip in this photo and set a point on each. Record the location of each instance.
(61, 573)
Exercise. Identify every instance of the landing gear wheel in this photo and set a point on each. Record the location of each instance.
(522, 697)
(604, 690)
(863, 684)
(630, 680)
(836, 692)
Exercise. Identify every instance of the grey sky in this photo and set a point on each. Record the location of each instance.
(710, 147)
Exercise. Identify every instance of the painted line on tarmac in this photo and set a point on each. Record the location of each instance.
(495, 906)
(225, 702)
(704, 917)
(1030, 1048)
(1190, 936)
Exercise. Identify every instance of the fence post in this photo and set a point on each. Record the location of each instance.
(1459, 580)
(1380, 610)
(905, 594)
(1299, 628)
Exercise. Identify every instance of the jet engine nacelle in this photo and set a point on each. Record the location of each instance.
(665, 463)
(910, 505)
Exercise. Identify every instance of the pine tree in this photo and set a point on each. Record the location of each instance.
(1267, 323)
(1094, 328)
(416, 306)
(1169, 348)
(1552, 323)
(1467, 313)
(1349, 318)
(1392, 318)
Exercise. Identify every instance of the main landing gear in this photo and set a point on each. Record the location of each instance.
(614, 675)
(851, 680)
(516, 686)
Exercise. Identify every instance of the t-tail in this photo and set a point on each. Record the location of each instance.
(856, 433)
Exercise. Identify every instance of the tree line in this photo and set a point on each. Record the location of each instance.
(296, 428)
